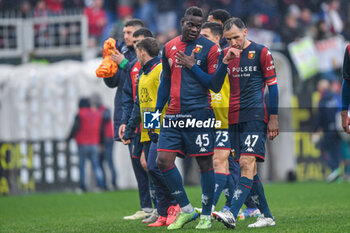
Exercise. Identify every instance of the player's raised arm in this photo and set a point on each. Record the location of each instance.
(211, 81)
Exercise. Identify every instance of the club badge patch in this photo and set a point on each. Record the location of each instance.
(198, 48)
(251, 55)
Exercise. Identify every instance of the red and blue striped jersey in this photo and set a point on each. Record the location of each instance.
(187, 93)
(248, 76)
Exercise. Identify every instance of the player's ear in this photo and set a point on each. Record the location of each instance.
(217, 38)
(182, 21)
(245, 31)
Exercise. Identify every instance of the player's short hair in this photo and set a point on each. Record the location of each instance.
(143, 32)
(214, 27)
(194, 11)
(150, 45)
(234, 21)
(134, 22)
(220, 14)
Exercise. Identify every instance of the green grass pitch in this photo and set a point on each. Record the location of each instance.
(297, 207)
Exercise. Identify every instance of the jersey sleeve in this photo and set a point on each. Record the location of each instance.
(213, 59)
(166, 71)
(165, 83)
(346, 64)
(268, 67)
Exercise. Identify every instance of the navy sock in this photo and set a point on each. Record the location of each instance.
(173, 180)
(258, 197)
(249, 201)
(229, 189)
(240, 194)
(152, 192)
(220, 182)
(208, 186)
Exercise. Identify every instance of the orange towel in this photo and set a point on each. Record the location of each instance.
(108, 67)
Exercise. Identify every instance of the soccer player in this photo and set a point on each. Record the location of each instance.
(188, 102)
(249, 73)
(221, 16)
(223, 163)
(345, 93)
(124, 59)
(220, 102)
(147, 53)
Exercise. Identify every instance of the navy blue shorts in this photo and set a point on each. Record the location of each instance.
(222, 140)
(191, 133)
(248, 138)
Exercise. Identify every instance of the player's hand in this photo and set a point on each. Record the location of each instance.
(143, 161)
(184, 60)
(273, 127)
(117, 57)
(231, 54)
(153, 136)
(126, 142)
(122, 129)
(345, 121)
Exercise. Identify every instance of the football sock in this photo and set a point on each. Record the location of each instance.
(147, 210)
(258, 197)
(220, 182)
(187, 209)
(249, 201)
(152, 192)
(208, 185)
(208, 217)
(229, 189)
(173, 180)
(240, 194)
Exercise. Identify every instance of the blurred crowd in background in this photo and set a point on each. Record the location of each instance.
(289, 20)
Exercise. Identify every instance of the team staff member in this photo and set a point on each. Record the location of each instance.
(124, 59)
(86, 131)
(249, 73)
(135, 147)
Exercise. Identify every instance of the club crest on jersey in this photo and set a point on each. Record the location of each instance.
(198, 48)
(251, 55)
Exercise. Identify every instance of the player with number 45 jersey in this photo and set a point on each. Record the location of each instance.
(189, 122)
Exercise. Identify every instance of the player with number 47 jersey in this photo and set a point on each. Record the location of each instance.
(250, 71)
